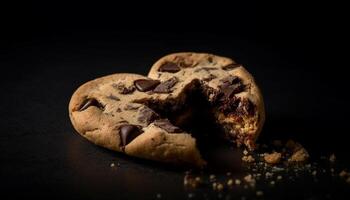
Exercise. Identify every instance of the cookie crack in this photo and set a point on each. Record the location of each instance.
(170, 144)
(91, 131)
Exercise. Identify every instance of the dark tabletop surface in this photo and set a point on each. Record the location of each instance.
(300, 75)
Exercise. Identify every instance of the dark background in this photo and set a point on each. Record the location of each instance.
(296, 52)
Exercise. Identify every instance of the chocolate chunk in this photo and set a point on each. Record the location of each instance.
(228, 91)
(128, 133)
(122, 89)
(237, 106)
(119, 110)
(231, 66)
(211, 77)
(231, 85)
(166, 125)
(147, 115)
(111, 96)
(145, 85)
(166, 86)
(169, 67)
(210, 59)
(90, 102)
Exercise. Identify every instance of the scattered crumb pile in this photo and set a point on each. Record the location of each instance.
(287, 161)
(291, 152)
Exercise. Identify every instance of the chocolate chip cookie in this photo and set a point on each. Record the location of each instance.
(143, 116)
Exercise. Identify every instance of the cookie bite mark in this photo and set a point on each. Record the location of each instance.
(90, 102)
(239, 118)
(166, 125)
(237, 106)
(231, 66)
(246, 107)
(144, 85)
(122, 89)
(165, 87)
(228, 105)
(169, 67)
(129, 132)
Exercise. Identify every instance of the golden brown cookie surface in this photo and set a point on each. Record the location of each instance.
(128, 112)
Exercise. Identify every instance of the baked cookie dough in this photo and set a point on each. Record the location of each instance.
(130, 113)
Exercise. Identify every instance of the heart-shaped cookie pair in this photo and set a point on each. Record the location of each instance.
(145, 116)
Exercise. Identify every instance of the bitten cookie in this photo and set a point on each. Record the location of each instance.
(129, 112)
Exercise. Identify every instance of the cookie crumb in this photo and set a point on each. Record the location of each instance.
(190, 181)
(348, 180)
(212, 177)
(272, 182)
(186, 180)
(300, 155)
(314, 173)
(332, 158)
(237, 182)
(279, 177)
(190, 195)
(220, 187)
(112, 165)
(230, 182)
(214, 185)
(250, 180)
(228, 174)
(343, 173)
(277, 169)
(259, 193)
(273, 158)
(245, 152)
(248, 159)
(159, 196)
(268, 175)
